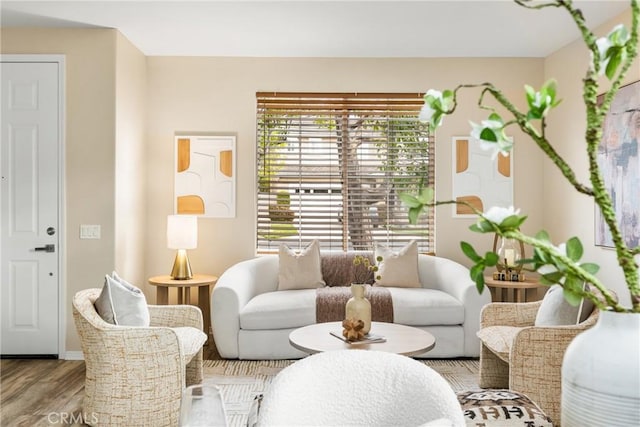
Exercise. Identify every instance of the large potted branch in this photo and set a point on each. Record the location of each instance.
(601, 368)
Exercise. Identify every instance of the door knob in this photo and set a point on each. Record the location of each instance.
(46, 248)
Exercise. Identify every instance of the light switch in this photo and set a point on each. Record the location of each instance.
(89, 231)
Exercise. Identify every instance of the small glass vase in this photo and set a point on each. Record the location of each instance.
(358, 307)
(202, 405)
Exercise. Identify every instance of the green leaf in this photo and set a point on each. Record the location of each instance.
(572, 298)
(495, 117)
(426, 195)
(490, 259)
(475, 228)
(488, 135)
(414, 214)
(614, 62)
(480, 283)
(486, 227)
(543, 236)
(590, 268)
(510, 222)
(531, 94)
(471, 253)
(534, 114)
(477, 270)
(552, 278)
(574, 249)
(409, 200)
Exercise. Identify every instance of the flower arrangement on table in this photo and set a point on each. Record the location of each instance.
(612, 56)
(364, 268)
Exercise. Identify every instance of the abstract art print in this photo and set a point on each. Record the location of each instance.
(478, 179)
(620, 166)
(205, 182)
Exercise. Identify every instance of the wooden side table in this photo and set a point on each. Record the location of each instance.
(522, 290)
(204, 282)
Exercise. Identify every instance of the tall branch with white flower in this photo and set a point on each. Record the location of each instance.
(611, 56)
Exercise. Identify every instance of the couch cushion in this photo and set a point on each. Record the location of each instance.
(423, 307)
(499, 339)
(279, 310)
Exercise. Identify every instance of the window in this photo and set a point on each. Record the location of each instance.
(331, 166)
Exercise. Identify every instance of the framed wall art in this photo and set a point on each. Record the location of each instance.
(478, 179)
(205, 175)
(619, 164)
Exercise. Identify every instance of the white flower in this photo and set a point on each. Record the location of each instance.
(426, 113)
(497, 214)
(617, 37)
(502, 144)
(436, 105)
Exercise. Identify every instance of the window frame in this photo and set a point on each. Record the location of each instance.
(392, 107)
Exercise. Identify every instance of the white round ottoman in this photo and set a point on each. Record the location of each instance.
(359, 388)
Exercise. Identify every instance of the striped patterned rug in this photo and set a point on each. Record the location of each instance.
(241, 381)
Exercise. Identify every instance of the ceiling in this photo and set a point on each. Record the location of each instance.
(427, 28)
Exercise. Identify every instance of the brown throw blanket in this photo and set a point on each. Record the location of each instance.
(331, 300)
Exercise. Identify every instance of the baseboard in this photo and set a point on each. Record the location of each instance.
(73, 355)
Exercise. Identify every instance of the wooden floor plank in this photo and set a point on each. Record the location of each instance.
(40, 392)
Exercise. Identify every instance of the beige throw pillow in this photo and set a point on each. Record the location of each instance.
(121, 303)
(300, 270)
(398, 269)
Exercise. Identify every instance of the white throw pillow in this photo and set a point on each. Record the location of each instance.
(300, 271)
(121, 303)
(398, 269)
(556, 311)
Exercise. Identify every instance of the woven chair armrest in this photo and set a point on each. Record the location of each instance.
(543, 342)
(509, 314)
(174, 316)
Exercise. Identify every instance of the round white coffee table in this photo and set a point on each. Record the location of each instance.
(400, 339)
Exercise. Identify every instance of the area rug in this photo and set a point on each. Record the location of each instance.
(241, 381)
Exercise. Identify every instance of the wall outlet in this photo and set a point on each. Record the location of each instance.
(89, 231)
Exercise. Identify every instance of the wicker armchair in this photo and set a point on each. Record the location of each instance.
(523, 357)
(136, 375)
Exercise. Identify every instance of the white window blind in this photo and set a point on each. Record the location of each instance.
(331, 166)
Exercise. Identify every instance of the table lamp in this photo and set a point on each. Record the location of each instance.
(182, 234)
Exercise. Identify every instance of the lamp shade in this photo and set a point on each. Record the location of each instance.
(182, 232)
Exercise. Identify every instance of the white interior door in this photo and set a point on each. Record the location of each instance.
(29, 208)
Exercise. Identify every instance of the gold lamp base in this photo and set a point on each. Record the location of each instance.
(181, 267)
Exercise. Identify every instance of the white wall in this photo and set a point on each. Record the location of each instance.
(189, 94)
(130, 166)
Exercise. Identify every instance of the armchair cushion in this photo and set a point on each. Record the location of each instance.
(121, 303)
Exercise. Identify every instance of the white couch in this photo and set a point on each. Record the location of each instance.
(251, 319)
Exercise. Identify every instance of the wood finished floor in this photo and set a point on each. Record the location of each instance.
(37, 393)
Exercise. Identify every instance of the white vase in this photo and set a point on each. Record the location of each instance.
(358, 307)
(601, 374)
